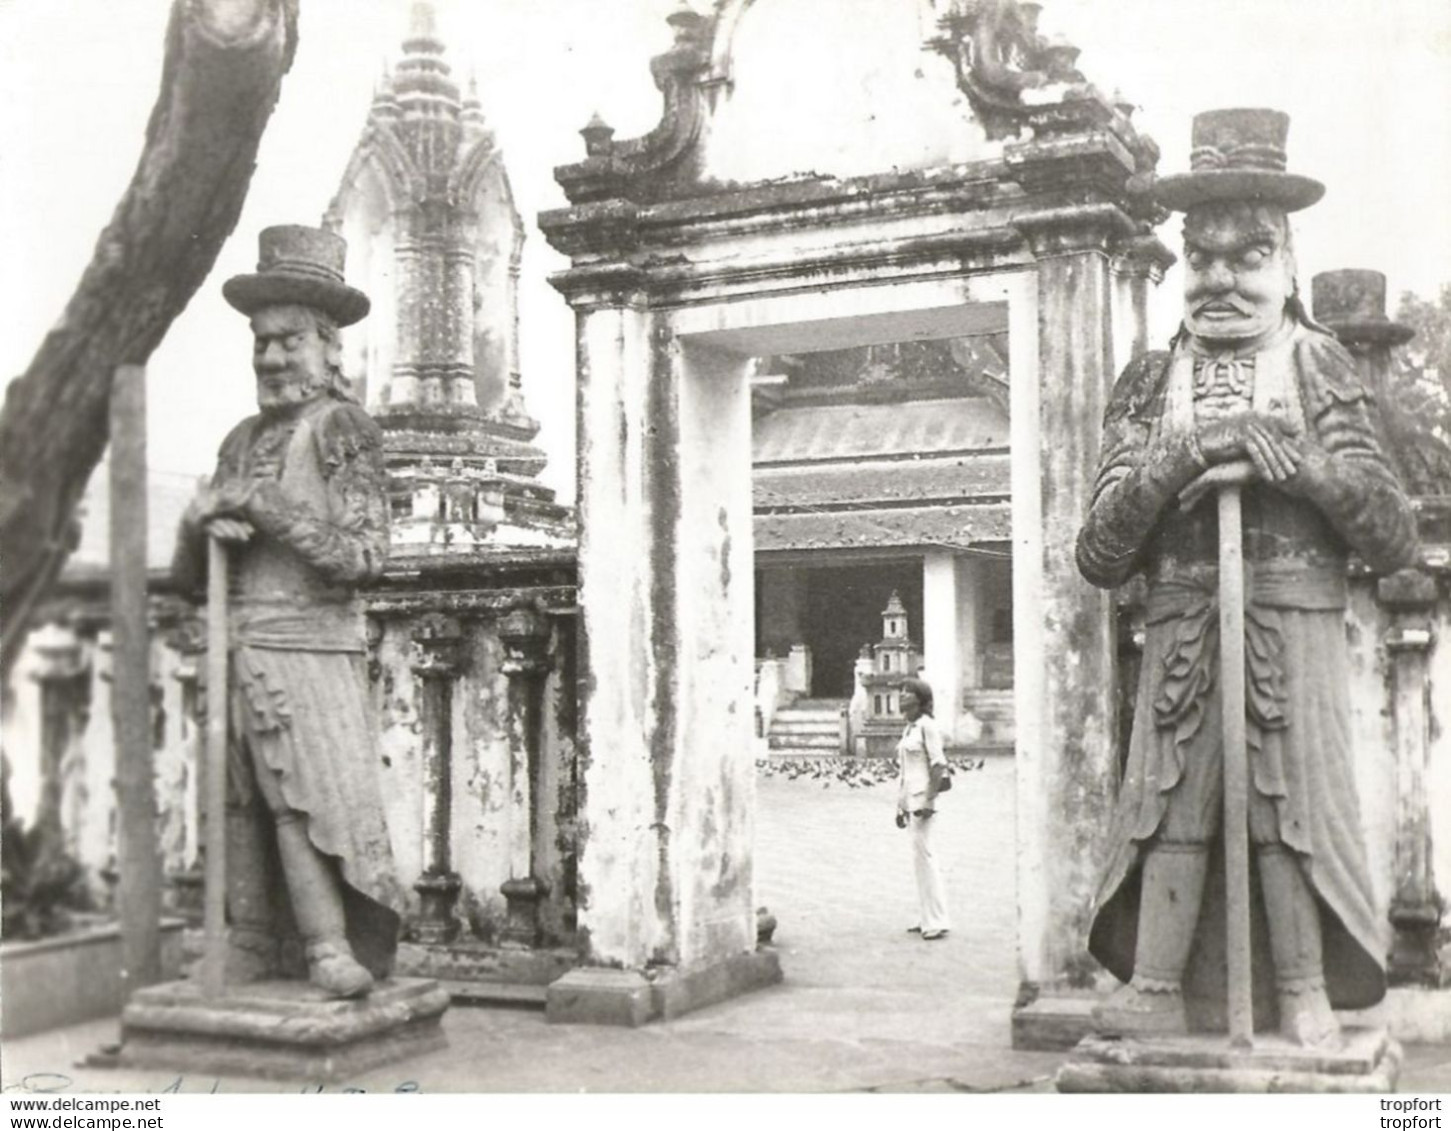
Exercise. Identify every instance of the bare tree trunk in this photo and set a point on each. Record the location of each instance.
(220, 80)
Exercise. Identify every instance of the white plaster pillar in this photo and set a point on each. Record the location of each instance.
(666, 578)
(1063, 627)
(969, 619)
(941, 642)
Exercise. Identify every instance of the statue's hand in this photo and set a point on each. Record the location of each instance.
(229, 529)
(1273, 446)
(1223, 441)
(1266, 441)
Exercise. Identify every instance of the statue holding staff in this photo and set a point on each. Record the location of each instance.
(300, 499)
(1252, 394)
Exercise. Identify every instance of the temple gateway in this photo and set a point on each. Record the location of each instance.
(841, 373)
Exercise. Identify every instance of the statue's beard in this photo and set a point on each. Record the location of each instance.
(288, 398)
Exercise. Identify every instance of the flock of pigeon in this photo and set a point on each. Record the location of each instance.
(852, 772)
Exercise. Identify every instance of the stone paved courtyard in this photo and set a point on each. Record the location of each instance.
(865, 1006)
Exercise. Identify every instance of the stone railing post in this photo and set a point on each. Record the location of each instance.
(1415, 959)
(438, 658)
(524, 633)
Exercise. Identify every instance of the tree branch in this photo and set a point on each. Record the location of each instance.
(220, 80)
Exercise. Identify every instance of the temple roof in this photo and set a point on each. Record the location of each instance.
(943, 527)
(821, 432)
(857, 476)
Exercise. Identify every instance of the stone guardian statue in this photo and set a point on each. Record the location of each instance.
(300, 498)
(1252, 391)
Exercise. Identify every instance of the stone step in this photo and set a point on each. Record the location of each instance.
(804, 741)
(790, 725)
(800, 716)
(494, 993)
(835, 705)
(805, 754)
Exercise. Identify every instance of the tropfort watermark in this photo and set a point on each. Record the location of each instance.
(1410, 1117)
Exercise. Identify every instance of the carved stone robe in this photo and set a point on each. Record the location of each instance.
(1302, 781)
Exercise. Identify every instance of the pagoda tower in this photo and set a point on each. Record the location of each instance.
(435, 241)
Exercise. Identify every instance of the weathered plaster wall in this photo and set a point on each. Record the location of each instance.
(490, 813)
(864, 95)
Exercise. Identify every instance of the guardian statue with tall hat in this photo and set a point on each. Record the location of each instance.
(1252, 391)
(299, 497)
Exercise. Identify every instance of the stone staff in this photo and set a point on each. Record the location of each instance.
(1228, 479)
(215, 910)
(1236, 765)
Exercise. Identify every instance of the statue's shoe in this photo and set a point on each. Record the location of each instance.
(1134, 1012)
(333, 969)
(1307, 1019)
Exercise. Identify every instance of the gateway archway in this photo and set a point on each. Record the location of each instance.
(1023, 223)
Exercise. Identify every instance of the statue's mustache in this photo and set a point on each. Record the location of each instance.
(1201, 300)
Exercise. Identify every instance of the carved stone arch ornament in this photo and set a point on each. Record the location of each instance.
(380, 150)
(646, 168)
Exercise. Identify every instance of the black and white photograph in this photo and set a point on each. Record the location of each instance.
(778, 550)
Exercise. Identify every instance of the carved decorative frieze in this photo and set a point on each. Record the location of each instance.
(641, 169)
(998, 53)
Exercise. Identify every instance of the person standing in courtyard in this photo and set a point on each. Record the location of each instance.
(923, 766)
(300, 499)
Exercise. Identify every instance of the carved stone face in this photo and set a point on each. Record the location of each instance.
(1239, 270)
(290, 357)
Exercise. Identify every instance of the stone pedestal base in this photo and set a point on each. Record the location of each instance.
(475, 973)
(595, 995)
(1367, 1061)
(1055, 1021)
(284, 1030)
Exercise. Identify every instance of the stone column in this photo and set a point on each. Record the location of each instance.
(524, 633)
(1416, 955)
(403, 386)
(1138, 263)
(1352, 303)
(438, 658)
(666, 579)
(1066, 648)
(941, 644)
(64, 679)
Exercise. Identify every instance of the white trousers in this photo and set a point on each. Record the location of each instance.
(930, 892)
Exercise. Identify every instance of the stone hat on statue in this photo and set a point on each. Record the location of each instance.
(1353, 304)
(1238, 155)
(302, 265)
